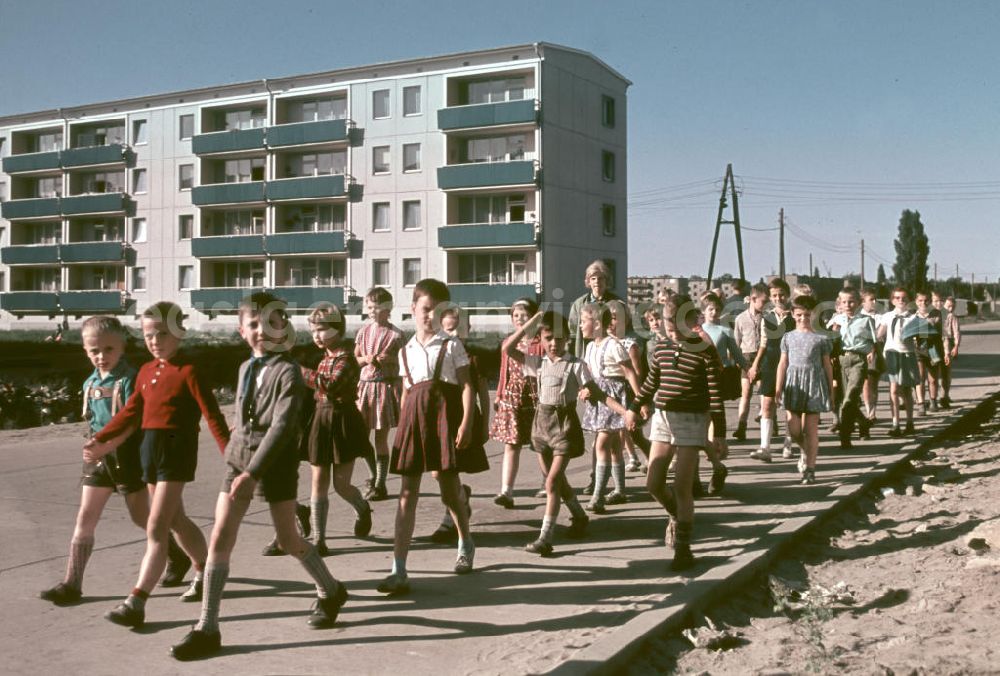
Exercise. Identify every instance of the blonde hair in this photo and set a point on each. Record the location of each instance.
(598, 267)
(801, 290)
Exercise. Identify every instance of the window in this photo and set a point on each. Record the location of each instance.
(96, 182)
(608, 220)
(186, 125)
(185, 226)
(138, 279)
(311, 218)
(411, 271)
(3, 190)
(46, 142)
(380, 160)
(411, 157)
(314, 164)
(232, 222)
(380, 104)
(411, 215)
(380, 217)
(185, 277)
(238, 274)
(496, 91)
(247, 118)
(608, 166)
(52, 187)
(138, 229)
(244, 171)
(608, 111)
(496, 149)
(312, 110)
(139, 181)
(139, 132)
(411, 100)
(185, 176)
(380, 272)
(494, 269)
(99, 135)
(314, 272)
(492, 208)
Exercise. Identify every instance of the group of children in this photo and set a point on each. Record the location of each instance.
(144, 425)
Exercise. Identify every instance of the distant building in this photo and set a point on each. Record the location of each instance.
(645, 289)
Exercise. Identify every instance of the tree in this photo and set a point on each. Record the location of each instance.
(816, 272)
(912, 249)
(880, 277)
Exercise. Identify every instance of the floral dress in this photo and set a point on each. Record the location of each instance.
(517, 396)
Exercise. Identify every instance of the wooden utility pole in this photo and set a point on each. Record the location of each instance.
(728, 185)
(862, 264)
(809, 272)
(781, 245)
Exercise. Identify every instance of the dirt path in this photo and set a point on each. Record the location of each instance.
(909, 583)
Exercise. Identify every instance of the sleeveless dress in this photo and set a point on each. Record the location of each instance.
(517, 397)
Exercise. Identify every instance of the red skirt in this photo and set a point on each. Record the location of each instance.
(338, 434)
(428, 425)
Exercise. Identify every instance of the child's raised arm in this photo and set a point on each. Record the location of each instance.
(511, 342)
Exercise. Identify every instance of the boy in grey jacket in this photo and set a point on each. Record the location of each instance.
(262, 458)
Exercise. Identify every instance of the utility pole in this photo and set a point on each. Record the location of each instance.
(935, 272)
(862, 264)
(973, 285)
(781, 245)
(809, 272)
(728, 185)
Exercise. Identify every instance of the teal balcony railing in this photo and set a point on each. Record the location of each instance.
(30, 302)
(103, 203)
(37, 207)
(487, 114)
(302, 297)
(486, 174)
(228, 193)
(487, 295)
(81, 157)
(227, 245)
(220, 300)
(306, 187)
(91, 301)
(291, 243)
(30, 254)
(15, 164)
(307, 133)
(93, 252)
(486, 235)
(230, 141)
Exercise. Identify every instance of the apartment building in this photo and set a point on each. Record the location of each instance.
(501, 171)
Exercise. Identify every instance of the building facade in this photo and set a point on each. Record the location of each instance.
(502, 172)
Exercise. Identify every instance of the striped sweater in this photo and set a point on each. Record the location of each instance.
(685, 376)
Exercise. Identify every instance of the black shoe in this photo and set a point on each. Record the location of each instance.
(444, 535)
(272, 548)
(194, 592)
(376, 493)
(325, 611)
(945, 402)
(178, 565)
(363, 524)
(505, 501)
(895, 433)
(741, 432)
(683, 558)
(864, 429)
(62, 595)
(126, 616)
(718, 481)
(322, 549)
(934, 405)
(845, 441)
(578, 526)
(909, 430)
(540, 547)
(697, 489)
(197, 645)
(303, 513)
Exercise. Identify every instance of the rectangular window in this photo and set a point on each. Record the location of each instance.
(411, 100)
(185, 277)
(312, 110)
(411, 271)
(3, 191)
(380, 217)
(185, 226)
(244, 171)
(608, 166)
(185, 176)
(608, 220)
(138, 229)
(313, 272)
(496, 149)
(138, 279)
(496, 91)
(311, 218)
(247, 118)
(140, 179)
(380, 104)
(240, 275)
(411, 157)
(494, 269)
(380, 272)
(411, 215)
(380, 160)
(186, 125)
(52, 187)
(139, 132)
(608, 111)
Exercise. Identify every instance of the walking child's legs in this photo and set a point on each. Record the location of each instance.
(453, 497)
(746, 392)
(766, 422)
(137, 503)
(228, 517)
(342, 485)
(92, 502)
(320, 502)
(381, 456)
(406, 511)
(656, 475)
(809, 426)
(684, 473)
(508, 471)
(166, 514)
(794, 421)
(603, 454)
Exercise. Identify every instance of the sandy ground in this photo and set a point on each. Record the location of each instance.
(906, 583)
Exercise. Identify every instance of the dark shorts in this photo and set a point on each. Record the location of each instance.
(748, 358)
(768, 375)
(557, 429)
(121, 471)
(169, 455)
(279, 483)
(902, 368)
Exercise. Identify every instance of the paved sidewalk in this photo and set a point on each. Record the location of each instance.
(518, 613)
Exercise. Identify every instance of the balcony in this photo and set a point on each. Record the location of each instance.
(493, 295)
(96, 252)
(37, 207)
(223, 246)
(94, 155)
(293, 243)
(102, 203)
(221, 299)
(306, 187)
(30, 302)
(234, 140)
(30, 254)
(93, 301)
(486, 235)
(303, 297)
(486, 174)
(487, 115)
(307, 133)
(228, 193)
(16, 164)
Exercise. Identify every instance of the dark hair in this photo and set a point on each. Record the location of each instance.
(103, 324)
(740, 286)
(852, 292)
(759, 290)
(599, 310)
(678, 309)
(168, 312)
(554, 322)
(527, 303)
(711, 299)
(804, 302)
(379, 295)
(779, 283)
(260, 303)
(329, 315)
(435, 289)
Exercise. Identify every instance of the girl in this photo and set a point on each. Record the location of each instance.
(338, 435)
(774, 324)
(169, 399)
(613, 372)
(376, 348)
(621, 328)
(805, 379)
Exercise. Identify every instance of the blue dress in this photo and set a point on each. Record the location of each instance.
(806, 389)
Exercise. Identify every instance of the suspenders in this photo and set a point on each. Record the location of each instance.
(96, 392)
(437, 364)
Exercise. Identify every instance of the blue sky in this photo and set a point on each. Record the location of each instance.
(844, 113)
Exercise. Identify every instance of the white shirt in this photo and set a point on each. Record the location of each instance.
(893, 338)
(613, 356)
(421, 359)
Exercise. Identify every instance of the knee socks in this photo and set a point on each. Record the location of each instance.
(314, 565)
(766, 428)
(381, 469)
(600, 481)
(79, 553)
(547, 526)
(320, 511)
(618, 472)
(215, 580)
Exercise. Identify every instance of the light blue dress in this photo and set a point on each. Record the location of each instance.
(806, 389)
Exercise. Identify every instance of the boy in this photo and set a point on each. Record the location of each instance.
(951, 335)
(929, 348)
(774, 324)
(262, 458)
(900, 359)
(104, 393)
(746, 331)
(857, 356)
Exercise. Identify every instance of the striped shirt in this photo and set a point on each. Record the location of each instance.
(685, 377)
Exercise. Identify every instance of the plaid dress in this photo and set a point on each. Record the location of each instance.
(379, 385)
(338, 433)
(428, 425)
(517, 395)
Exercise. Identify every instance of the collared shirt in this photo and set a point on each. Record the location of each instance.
(560, 380)
(857, 333)
(421, 359)
(605, 360)
(335, 378)
(746, 331)
(894, 322)
(99, 393)
(725, 344)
